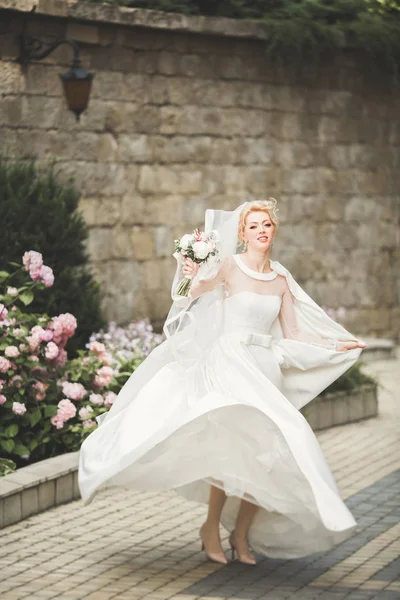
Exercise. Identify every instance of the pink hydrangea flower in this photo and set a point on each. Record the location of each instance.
(96, 399)
(66, 409)
(106, 359)
(3, 312)
(85, 412)
(33, 357)
(47, 335)
(12, 291)
(2, 399)
(47, 276)
(5, 364)
(23, 347)
(18, 331)
(51, 351)
(18, 408)
(2, 382)
(11, 352)
(61, 358)
(33, 262)
(16, 380)
(57, 421)
(88, 423)
(34, 341)
(63, 327)
(103, 377)
(97, 347)
(110, 398)
(40, 388)
(74, 391)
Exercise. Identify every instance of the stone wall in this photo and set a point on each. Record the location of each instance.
(186, 114)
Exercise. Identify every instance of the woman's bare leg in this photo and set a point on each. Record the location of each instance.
(245, 516)
(209, 531)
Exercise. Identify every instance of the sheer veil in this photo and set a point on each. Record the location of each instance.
(193, 325)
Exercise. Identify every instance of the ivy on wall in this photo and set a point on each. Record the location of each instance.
(300, 32)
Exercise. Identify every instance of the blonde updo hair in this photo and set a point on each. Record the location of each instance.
(268, 206)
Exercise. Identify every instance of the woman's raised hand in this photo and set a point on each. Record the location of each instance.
(349, 345)
(190, 268)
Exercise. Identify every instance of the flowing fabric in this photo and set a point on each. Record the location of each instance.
(217, 404)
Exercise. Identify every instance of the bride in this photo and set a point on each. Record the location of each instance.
(213, 412)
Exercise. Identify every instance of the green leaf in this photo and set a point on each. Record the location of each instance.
(4, 275)
(12, 430)
(50, 410)
(7, 445)
(33, 444)
(15, 264)
(20, 449)
(35, 417)
(26, 297)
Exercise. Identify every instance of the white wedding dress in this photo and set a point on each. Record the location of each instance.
(229, 417)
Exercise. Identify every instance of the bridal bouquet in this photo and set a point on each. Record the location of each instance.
(198, 246)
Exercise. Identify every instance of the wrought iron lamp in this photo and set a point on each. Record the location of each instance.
(77, 82)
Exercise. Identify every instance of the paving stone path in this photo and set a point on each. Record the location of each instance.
(126, 546)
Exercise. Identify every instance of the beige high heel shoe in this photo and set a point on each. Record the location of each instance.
(246, 560)
(218, 557)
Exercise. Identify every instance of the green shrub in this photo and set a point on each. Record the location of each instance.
(352, 379)
(38, 213)
(300, 32)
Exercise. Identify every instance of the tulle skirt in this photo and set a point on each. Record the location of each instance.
(225, 421)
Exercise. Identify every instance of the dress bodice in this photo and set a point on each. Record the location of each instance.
(250, 312)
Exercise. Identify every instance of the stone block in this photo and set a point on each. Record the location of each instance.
(99, 243)
(30, 501)
(88, 34)
(325, 412)
(1, 513)
(168, 62)
(44, 112)
(107, 148)
(341, 409)
(12, 509)
(77, 493)
(108, 85)
(156, 179)
(134, 148)
(64, 489)
(200, 66)
(302, 181)
(12, 80)
(132, 209)
(142, 243)
(356, 406)
(370, 402)
(165, 210)
(11, 110)
(163, 241)
(47, 494)
(121, 246)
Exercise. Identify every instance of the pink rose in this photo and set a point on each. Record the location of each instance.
(96, 399)
(11, 352)
(47, 276)
(3, 312)
(18, 408)
(51, 351)
(2, 399)
(110, 398)
(5, 364)
(74, 391)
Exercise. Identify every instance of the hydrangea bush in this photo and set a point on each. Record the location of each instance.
(48, 404)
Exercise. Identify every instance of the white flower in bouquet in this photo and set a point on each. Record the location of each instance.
(201, 250)
(200, 247)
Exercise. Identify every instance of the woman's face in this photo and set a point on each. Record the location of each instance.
(259, 230)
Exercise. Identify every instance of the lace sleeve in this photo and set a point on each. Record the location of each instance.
(290, 329)
(200, 286)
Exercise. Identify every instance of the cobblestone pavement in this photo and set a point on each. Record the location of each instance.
(126, 546)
